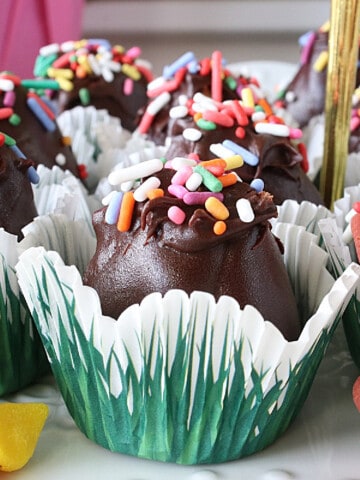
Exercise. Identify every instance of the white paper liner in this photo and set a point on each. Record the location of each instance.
(154, 328)
(304, 214)
(100, 142)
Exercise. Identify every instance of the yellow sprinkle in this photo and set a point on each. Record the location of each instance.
(60, 72)
(235, 161)
(65, 84)
(118, 49)
(80, 44)
(325, 27)
(321, 62)
(247, 97)
(131, 71)
(66, 141)
(84, 62)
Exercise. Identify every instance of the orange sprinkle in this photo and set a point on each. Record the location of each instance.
(264, 104)
(126, 212)
(240, 132)
(219, 227)
(355, 230)
(66, 141)
(216, 162)
(228, 179)
(197, 116)
(80, 72)
(216, 208)
(155, 193)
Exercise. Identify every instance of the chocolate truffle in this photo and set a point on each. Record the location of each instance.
(25, 116)
(227, 117)
(172, 236)
(92, 72)
(16, 196)
(304, 97)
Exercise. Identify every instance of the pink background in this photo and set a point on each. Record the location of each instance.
(26, 25)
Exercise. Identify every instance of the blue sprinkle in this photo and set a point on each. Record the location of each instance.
(193, 67)
(33, 175)
(113, 209)
(40, 114)
(304, 38)
(17, 151)
(170, 70)
(247, 156)
(100, 41)
(257, 184)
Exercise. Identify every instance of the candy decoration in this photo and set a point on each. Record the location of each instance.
(356, 393)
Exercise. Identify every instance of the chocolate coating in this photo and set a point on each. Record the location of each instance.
(100, 75)
(17, 207)
(156, 255)
(34, 140)
(304, 96)
(279, 161)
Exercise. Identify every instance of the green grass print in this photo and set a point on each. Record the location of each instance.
(22, 355)
(162, 422)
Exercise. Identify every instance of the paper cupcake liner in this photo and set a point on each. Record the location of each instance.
(342, 254)
(22, 356)
(100, 142)
(183, 378)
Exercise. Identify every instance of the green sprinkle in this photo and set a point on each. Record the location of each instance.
(206, 124)
(84, 96)
(259, 108)
(15, 119)
(42, 64)
(40, 84)
(231, 82)
(209, 180)
(9, 141)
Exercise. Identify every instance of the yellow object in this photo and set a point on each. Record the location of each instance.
(20, 427)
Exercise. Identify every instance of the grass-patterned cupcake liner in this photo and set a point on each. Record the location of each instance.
(183, 378)
(22, 356)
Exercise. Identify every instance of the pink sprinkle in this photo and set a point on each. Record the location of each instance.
(176, 215)
(177, 190)
(194, 156)
(133, 52)
(219, 118)
(199, 198)
(181, 176)
(128, 86)
(306, 50)
(145, 122)
(295, 133)
(9, 98)
(168, 164)
(216, 80)
(354, 123)
(240, 132)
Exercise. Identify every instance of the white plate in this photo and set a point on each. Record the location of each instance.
(323, 442)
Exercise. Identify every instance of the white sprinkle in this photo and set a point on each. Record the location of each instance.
(194, 182)
(277, 129)
(220, 151)
(180, 162)
(140, 194)
(156, 83)
(67, 46)
(258, 116)
(60, 159)
(180, 111)
(6, 85)
(290, 96)
(107, 74)
(182, 99)
(49, 49)
(245, 211)
(192, 134)
(158, 103)
(127, 186)
(140, 170)
(203, 106)
(107, 199)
